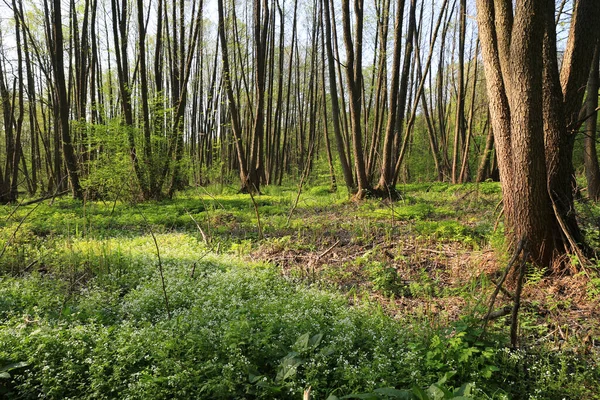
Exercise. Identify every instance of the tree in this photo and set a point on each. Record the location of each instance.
(534, 108)
(236, 126)
(354, 82)
(590, 155)
(387, 164)
(335, 105)
(62, 99)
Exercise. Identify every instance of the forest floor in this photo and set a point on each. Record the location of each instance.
(218, 295)
(421, 255)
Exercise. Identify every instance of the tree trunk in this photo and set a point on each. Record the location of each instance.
(387, 163)
(459, 124)
(354, 79)
(63, 101)
(590, 156)
(233, 110)
(531, 133)
(149, 190)
(335, 105)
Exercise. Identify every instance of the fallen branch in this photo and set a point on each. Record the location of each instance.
(563, 226)
(323, 254)
(514, 320)
(198, 226)
(260, 230)
(50, 196)
(512, 261)
(499, 313)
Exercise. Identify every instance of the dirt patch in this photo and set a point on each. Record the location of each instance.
(440, 280)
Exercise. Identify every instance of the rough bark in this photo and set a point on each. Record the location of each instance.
(63, 101)
(335, 105)
(590, 155)
(354, 82)
(531, 130)
(233, 109)
(387, 163)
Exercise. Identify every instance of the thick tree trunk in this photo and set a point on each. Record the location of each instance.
(120, 34)
(149, 190)
(261, 22)
(531, 131)
(7, 113)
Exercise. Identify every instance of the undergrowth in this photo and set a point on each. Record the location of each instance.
(83, 314)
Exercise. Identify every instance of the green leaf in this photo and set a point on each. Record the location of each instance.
(366, 396)
(288, 368)
(254, 378)
(327, 351)
(435, 392)
(315, 340)
(465, 390)
(302, 342)
(12, 366)
(446, 377)
(419, 393)
(395, 393)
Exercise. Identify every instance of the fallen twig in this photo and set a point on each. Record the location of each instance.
(574, 247)
(50, 196)
(514, 258)
(323, 254)
(514, 320)
(198, 226)
(260, 230)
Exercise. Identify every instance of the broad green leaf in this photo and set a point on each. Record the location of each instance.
(395, 393)
(302, 342)
(12, 366)
(366, 396)
(288, 368)
(315, 340)
(419, 393)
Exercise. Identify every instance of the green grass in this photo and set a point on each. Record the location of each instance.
(83, 313)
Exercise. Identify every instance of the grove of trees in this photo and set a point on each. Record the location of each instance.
(108, 98)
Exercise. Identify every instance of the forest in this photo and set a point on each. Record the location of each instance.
(318, 199)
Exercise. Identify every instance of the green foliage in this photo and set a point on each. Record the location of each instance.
(232, 324)
(83, 314)
(436, 391)
(111, 174)
(385, 279)
(450, 230)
